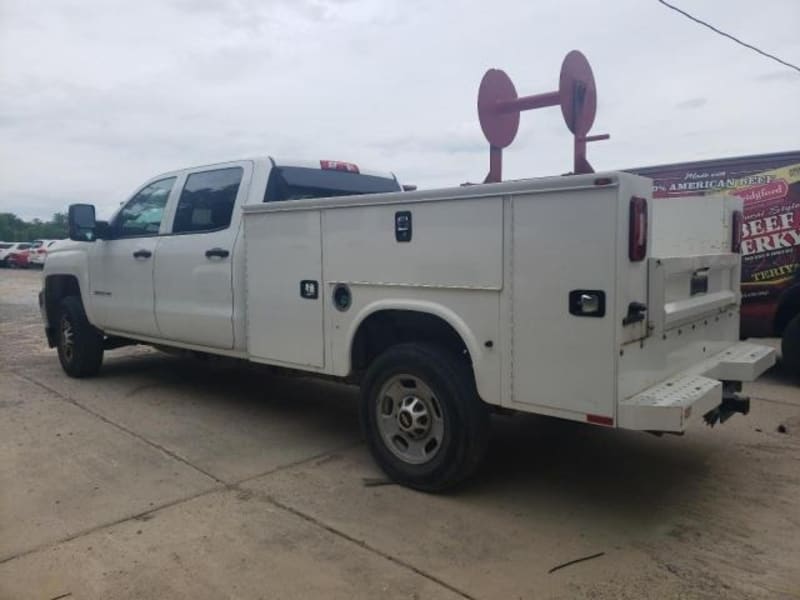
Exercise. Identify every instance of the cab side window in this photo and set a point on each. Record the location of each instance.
(141, 216)
(207, 200)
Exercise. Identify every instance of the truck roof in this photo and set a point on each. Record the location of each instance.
(302, 163)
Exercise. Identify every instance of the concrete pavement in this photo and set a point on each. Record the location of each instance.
(175, 478)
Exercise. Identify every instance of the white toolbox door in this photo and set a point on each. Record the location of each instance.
(564, 242)
(283, 266)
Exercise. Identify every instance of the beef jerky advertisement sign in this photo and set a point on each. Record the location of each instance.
(771, 229)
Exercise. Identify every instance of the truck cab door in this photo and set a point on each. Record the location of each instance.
(193, 274)
(121, 267)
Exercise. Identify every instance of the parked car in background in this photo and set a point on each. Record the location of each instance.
(7, 249)
(39, 250)
(19, 259)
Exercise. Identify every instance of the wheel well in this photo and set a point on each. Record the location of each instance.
(788, 307)
(56, 288)
(386, 328)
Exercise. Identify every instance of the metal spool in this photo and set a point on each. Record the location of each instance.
(499, 109)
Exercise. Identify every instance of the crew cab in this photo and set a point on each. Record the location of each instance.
(560, 296)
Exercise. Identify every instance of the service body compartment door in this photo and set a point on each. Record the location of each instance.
(564, 247)
(283, 255)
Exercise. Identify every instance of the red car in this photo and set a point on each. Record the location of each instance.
(19, 259)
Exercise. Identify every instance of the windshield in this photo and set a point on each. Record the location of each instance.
(297, 183)
(5, 246)
(23, 246)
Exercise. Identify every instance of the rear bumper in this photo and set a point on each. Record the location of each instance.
(690, 394)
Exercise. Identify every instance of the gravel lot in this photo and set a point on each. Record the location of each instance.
(175, 478)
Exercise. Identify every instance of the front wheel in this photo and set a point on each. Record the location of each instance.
(80, 345)
(790, 345)
(422, 418)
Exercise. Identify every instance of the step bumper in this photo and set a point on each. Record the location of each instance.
(673, 403)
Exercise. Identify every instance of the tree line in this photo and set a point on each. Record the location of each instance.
(14, 229)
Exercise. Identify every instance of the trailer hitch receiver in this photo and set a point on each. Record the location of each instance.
(731, 403)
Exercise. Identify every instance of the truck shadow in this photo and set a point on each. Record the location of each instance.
(239, 402)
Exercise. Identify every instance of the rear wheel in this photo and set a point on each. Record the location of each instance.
(424, 423)
(790, 345)
(80, 345)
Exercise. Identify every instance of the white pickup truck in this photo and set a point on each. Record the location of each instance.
(560, 296)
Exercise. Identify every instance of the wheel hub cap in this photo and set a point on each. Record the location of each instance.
(409, 419)
(413, 417)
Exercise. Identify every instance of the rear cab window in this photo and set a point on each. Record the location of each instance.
(298, 183)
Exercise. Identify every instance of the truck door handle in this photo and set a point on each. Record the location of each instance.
(142, 254)
(217, 252)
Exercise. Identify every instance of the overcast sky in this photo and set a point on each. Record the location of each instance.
(97, 96)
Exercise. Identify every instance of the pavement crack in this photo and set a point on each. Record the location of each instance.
(90, 530)
(130, 432)
(366, 546)
(322, 455)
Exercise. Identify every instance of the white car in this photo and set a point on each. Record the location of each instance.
(7, 248)
(39, 250)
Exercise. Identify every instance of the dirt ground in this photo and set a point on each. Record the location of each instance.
(168, 477)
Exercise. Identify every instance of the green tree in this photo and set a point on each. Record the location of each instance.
(14, 229)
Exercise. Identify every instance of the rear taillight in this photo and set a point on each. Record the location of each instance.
(637, 229)
(337, 165)
(736, 233)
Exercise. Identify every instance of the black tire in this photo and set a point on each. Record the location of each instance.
(790, 346)
(80, 345)
(462, 417)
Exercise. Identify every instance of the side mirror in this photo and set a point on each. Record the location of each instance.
(82, 224)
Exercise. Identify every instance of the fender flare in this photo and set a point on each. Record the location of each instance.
(72, 263)
(420, 306)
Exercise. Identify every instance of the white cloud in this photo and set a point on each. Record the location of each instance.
(96, 97)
